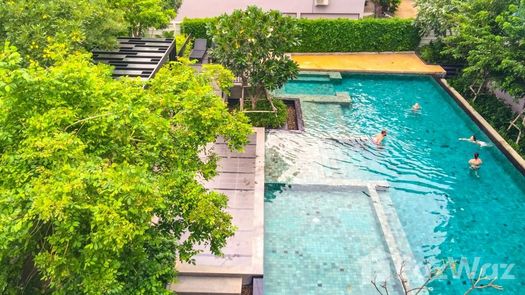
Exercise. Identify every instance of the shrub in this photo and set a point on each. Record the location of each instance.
(340, 35)
(433, 53)
(197, 27)
(268, 120)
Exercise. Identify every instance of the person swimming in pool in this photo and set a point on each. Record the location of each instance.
(416, 107)
(378, 138)
(475, 163)
(473, 139)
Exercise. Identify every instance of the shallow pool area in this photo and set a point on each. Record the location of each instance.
(443, 209)
(323, 241)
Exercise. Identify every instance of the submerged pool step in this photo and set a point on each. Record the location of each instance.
(339, 97)
(314, 76)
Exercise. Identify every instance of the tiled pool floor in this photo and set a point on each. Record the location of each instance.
(333, 247)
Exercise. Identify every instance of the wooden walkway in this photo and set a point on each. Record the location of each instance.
(241, 178)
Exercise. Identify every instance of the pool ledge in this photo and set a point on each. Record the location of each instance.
(339, 97)
(502, 144)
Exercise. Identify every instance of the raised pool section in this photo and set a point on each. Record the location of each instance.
(324, 92)
(322, 239)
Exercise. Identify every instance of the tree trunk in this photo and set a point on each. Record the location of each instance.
(253, 96)
(241, 101)
(478, 91)
(378, 9)
(513, 124)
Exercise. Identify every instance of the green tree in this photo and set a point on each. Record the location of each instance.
(388, 6)
(141, 15)
(252, 43)
(99, 190)
(32, 25)
(488, 34)
(434, 16)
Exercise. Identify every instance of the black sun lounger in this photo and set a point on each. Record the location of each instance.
(199, 49)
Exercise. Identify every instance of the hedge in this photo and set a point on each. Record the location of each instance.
(344, 35)
(196, 27)
(340, 35)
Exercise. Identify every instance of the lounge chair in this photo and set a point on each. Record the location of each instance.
(199, 49)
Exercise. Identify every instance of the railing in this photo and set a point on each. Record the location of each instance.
(452, 69)
(183, 47)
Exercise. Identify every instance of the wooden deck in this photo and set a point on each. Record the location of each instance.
(241, 178)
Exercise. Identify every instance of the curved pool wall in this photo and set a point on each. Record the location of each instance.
(446, 210)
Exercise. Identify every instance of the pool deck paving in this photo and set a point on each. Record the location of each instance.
(241, 178)
(368, 62)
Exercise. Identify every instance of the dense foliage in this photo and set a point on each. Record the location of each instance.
(433, 53)
(388, 6)
(33, 25)
(434, 16)
(342, 35)
(143, 14)
(339, 35)
(488, 35)
(197, 27)
(275, 119)
(252, 43)
(99, 176)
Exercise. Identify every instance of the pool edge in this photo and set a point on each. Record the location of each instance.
(515, 158)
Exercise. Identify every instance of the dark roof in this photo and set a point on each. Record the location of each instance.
(137, 57)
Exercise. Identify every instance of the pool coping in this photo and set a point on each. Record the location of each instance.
(515, 158)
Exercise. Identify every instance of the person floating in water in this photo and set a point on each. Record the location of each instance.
(475, 163)
(378, 138)
(473, 139)
(416, 107)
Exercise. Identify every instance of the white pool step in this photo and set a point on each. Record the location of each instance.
(204, 285)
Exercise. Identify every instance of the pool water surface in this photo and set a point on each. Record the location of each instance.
(447, 211)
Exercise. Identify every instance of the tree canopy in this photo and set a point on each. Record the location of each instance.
(434, 16)
(143, 14)
(32, 25)
(488, 34)
(252, 43)
(99, 190)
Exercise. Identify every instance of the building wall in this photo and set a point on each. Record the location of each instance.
(307, 8)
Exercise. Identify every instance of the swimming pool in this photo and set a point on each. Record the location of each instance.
(445, 210)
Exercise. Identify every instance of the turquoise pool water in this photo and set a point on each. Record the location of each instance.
(445, 210)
